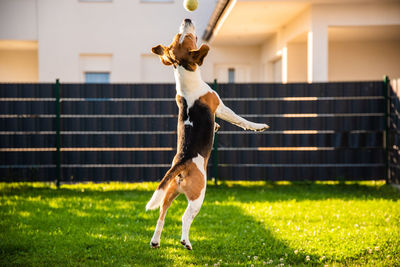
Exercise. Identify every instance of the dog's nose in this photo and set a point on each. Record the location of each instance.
(188, 21)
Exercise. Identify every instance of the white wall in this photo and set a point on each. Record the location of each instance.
(352, 61)
(317, 19)
(128, 30)
(152, 70)
(125, 29)
(297, 62)
(325, 15)
(272, 48)
(18, 20)
(232, 56)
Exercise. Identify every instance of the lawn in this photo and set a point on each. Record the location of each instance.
(240, 223)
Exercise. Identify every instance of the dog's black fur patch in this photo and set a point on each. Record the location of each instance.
(197, 138)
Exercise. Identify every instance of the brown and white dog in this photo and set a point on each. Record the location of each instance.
(198, 104)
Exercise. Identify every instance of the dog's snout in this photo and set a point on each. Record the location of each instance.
(187, 26)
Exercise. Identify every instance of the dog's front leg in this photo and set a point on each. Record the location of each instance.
(225, 113)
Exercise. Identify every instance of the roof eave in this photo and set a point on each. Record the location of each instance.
(216, 16)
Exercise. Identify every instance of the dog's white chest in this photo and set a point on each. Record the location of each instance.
(190, 85)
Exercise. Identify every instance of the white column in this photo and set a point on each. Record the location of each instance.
(284, 64)
(317, 54)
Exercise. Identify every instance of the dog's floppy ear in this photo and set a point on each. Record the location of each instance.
(160, 51)
(199, 55)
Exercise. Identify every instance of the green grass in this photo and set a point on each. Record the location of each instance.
(242, 223)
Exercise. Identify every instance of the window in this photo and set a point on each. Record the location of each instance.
(97, 77)
(231, 75)
(95, 68)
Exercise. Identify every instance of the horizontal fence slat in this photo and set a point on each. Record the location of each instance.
(81, 174)
(36, 90)
(87, 157)
(230, 157)
(300, 90)
(342, 156)
(27, 107)
(154, 106)
(239, 139)
(27, 174)
(335, 123)
(118, 157)
(118, 90)
(118, 174)
(301, 173)
(240, 107)
(168, 90)
(94, 107)
(169, 124)
(339, 139)
(27, 158)
(311, 106)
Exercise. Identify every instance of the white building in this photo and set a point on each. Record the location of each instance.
(251, 41)
(41, 40)
(300, 41)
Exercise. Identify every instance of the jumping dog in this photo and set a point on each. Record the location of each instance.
(198, 105)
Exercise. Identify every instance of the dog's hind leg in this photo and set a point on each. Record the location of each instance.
(187, 219)
(194, 187)
(170, 194)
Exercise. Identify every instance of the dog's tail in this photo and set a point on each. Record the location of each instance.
(158, 195)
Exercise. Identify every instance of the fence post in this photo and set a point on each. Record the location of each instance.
(386, 144)
(215, 145)
(58, 135)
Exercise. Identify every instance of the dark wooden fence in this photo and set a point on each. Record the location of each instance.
(393, 141)
(323, 131)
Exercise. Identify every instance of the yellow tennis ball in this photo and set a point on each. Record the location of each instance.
(190, 5)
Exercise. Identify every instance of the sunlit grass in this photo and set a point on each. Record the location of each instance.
(240, 223)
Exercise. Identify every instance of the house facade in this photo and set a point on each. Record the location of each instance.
(251, 41)
(90, 40)
(305, 41)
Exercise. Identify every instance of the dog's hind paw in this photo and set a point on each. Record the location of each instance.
(187, 245)
(154, 245)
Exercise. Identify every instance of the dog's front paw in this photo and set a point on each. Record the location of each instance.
(261, 127)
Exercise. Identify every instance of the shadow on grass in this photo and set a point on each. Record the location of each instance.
(225, 234)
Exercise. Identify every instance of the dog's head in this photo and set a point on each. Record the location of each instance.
(183, 49)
